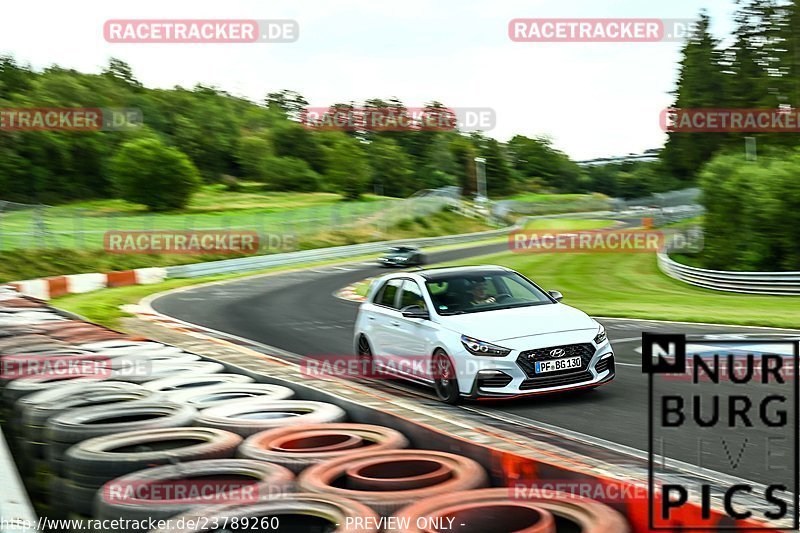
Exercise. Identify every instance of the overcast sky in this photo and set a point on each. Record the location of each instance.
(593, 100)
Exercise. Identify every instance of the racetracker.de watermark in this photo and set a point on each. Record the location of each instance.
(776, 120)
(599, 30)
(588, 241)
(181, 492)
(198, 242)
(69, 119)
(58, 367)
(602, 491)
(464, 119)
(390, 367)
(191, 31)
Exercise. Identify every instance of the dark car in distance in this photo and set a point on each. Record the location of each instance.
(402, 256)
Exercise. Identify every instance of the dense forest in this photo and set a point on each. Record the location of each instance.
(204, 134)
(751, 199)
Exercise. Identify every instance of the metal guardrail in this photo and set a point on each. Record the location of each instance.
(774, 283)
(247, 264)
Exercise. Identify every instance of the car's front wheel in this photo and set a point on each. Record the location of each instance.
(444, 378)
(365, 357)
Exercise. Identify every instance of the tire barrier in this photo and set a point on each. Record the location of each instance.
(495, 510)
(18, 388)
(392, 479)
(34, 410)
(166, 491)
(297, 512)
(92, 463)
(247, 417)
(232, 392)
(73, 426)
(191, 383)
(302, 446)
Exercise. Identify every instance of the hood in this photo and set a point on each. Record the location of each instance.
(504, 324)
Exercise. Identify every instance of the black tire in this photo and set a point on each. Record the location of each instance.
(88, 422)
(232, 392)
(67, 391)
(268, 481)
(365, 359)
(104, 458)
(34, 417)
(251, 416)
(19, 388)
(445, 382)
(74, 426)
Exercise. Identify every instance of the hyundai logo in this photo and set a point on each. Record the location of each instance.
(558, 352)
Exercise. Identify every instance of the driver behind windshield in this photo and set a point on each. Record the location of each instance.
(479, 296)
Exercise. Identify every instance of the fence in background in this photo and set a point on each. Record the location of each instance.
(41, 226)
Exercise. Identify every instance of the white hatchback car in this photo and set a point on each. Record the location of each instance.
(484, 331)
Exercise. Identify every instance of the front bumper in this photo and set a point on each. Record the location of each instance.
(389, 262)
(507, 378)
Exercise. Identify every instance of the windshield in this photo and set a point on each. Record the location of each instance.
(471, 293)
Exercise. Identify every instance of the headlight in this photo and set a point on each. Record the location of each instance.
(601, 335)
(476, 347)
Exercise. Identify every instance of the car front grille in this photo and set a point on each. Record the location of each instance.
(555, 381)
(526, 359)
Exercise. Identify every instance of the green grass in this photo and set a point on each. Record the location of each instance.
(632, 286)
(103, 307)
(81, 225)
(542, 204)
(30, 264)
(568, 224)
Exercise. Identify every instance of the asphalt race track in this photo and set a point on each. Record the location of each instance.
(298, 313)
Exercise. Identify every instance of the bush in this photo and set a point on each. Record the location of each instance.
(289, 174)
(751, 220)
(148, 172)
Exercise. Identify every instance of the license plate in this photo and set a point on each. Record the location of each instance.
(557, 364)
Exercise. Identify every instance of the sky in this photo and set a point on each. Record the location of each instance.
(591, 99)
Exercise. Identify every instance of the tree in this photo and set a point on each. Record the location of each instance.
(148, 172)
(348, 171)
(701, 84)
(537, 161)
(120, 71)
(391, 174)
(499, 174)
(290, 103)
(252, 154)
(293, 140)
(289, 174)
(464, 154)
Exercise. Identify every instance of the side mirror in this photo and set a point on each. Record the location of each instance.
(415, 311)
(557, 296)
